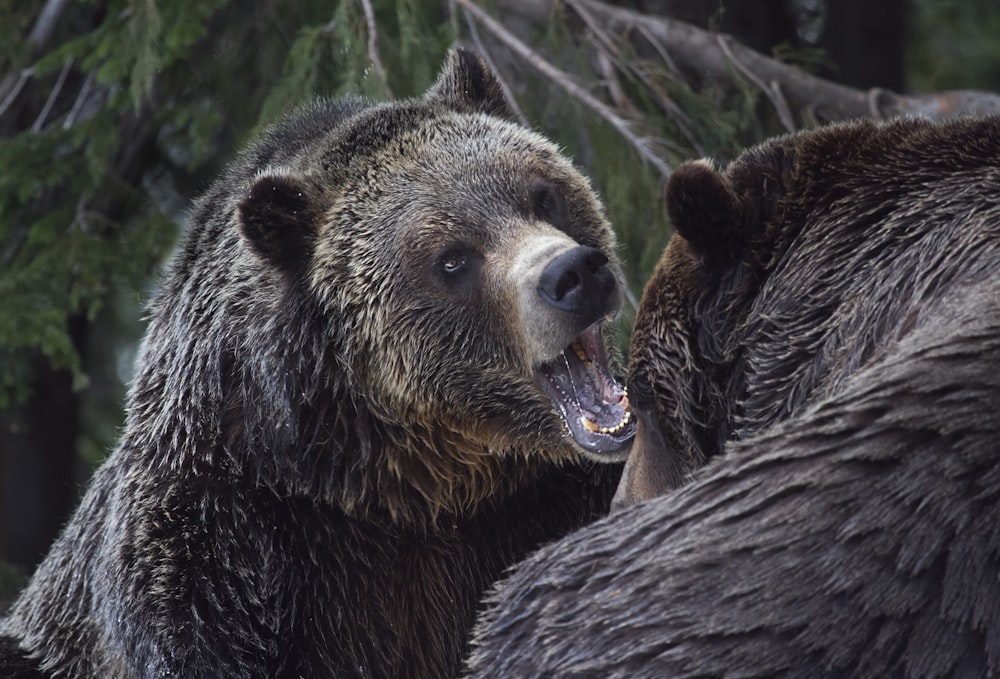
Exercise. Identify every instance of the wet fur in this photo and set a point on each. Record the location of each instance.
(313, 481)
(834, 360)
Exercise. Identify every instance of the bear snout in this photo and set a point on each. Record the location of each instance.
(579, 281)
(563, 288)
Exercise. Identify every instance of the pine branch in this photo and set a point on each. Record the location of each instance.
(642, 145)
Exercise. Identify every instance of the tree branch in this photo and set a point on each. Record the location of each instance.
(23, 77)
(701, 51)
(667, 105)
(642, 145)
(373, 46)
(771, 90)
(78, 104)
(478, 42)
(45, 25)
(53, 95)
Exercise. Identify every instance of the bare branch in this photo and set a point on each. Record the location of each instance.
(81, 99)
(642, 145)
(372, 44)
(700, 51)
(481, 48)
(665, 101)
(615, 90)
(607, 65)
(873, 97)
(45, 25)
(630, 298)
(11, 97)
(942, 104)
(53, 95)
(771, 90)
(664, 55)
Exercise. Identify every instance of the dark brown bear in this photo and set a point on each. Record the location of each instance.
(368, 377)
(824, 330)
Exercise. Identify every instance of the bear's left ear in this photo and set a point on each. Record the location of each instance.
(278, 218)
(705, 210)
(466, 83)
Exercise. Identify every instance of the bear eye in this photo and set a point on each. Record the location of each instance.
(546, 202)
(452, 263)
(456, 267)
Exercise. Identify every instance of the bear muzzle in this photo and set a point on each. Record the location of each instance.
(578, 281)
(568, 292)
(593, 405)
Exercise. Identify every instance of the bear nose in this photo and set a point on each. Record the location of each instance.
(578, 281)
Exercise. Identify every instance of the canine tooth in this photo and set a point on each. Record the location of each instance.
(589, 426)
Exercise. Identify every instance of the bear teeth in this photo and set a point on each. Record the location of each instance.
(592, 426)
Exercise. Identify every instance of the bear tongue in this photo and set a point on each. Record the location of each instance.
(593, 405)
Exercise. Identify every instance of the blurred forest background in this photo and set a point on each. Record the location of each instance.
(114, 114)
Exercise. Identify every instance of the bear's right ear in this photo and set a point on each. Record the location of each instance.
(705, 211)
(277, 217)
(467, 83)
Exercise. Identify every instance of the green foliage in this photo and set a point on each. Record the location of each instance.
(953, 45)
(145, 28)
(16, 20)
(92, 199)
(810, 59)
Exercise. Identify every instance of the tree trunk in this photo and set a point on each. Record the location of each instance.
(38, 462)
(867, 41)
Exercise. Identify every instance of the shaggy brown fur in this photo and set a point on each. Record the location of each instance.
(804, 261)
(824, 330)
(337, 437)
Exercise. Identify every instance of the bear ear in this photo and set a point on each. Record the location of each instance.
(277, 217)
(467, 83)
(704, 210)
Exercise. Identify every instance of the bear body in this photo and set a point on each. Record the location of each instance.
(340, 432)
(822, 334)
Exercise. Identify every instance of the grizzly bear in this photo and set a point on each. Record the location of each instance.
(370, 373)
(823, 335)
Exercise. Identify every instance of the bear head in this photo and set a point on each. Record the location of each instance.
(398, 306)
(801, 262)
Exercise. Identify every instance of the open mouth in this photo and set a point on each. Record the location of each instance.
(593, 405)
